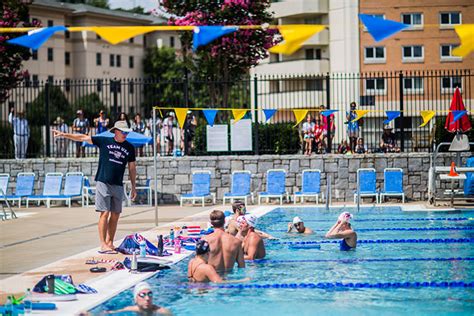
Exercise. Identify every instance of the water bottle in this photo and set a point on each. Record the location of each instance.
(177, 246)
(8, 306)
(185, 230)
(50, 283)
(172, 234)
(28, 305)
(142, 249)
(160, 246)
(134, 265)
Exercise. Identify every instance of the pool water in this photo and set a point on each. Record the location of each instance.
(325, 272)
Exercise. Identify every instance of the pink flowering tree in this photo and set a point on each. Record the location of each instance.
(230, 57)
(14, 14)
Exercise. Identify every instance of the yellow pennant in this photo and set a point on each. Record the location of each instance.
(294, 36)
(427, 116)
(299, 115)
(117, 34)
(238, 114)
(466, 35)
(359, 114)
(181, 115)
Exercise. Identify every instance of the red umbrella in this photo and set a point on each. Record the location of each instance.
(461, 125)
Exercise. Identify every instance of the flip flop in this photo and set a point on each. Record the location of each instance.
(108, 252)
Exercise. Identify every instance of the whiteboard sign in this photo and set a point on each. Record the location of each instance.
(217, 138)
(241, 135)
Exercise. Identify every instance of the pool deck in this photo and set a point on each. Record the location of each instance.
(59, 240)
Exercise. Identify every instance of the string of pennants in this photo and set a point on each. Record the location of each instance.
(300, 114)
(293, 35)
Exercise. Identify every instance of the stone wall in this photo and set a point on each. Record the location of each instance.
(174, 174)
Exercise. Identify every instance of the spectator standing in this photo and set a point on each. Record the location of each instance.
(138, 126)
(61, 142)
(124, 117)
(189, 130)
(308, 127)
(318, 130)
(101, 122)
(328, 128)
(168, 133)
(21, 132)
(159, 125)
(80, 126)
(353, 128)
(388, 143)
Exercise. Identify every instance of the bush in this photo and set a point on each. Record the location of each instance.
(442, 135)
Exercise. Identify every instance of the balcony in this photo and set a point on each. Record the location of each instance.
(322, 38)
(301, 66)
(299, 8)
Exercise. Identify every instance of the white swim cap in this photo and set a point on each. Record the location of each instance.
(345, 216)
(140, 287)
(250, 219)
(297, 220)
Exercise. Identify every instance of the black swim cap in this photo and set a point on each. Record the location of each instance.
(202, 247)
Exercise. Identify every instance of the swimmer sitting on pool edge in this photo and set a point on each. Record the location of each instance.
(342, 229)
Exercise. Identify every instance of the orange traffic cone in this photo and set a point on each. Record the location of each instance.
(452, 172)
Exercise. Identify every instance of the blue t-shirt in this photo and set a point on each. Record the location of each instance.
(113, 159)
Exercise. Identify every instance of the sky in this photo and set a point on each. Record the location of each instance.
(126, 4)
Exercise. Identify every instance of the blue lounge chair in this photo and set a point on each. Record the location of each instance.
(201, 181)
(366, 179)
(240, 188)
(310, 185)
(144, 190)
(393, 183)
(4, 180)
(25, 182)
(51, 188)
(72, 188)
(88, 192)
(276, 179)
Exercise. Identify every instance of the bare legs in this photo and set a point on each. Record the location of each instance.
(107, 228)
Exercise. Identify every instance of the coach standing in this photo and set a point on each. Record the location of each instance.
(114, 154)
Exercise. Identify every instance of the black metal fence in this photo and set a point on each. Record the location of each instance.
(48, 105)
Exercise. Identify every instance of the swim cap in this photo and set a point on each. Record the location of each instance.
(140, 287)
(202, 247)
(345, 216)
(297, 220)
(250, 219)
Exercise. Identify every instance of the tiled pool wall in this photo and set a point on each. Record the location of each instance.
(174, 174)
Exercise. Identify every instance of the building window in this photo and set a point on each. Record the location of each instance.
(99, 85)
(449, 18)
(374, 54)
(50, 54)
(374, 86)
(34, 54)
(131, 87)
(448, 84)
(313, 20)
(67, 85)
(112, 60)
(67, 58)
(314, 84)
(412, 53)
(130, 62)
(98, 59)
(67, 34)
(274, 86)
(27, 80)
(446, 54)
(97, 37)
(274, 58)
(35, 81)
(50, 79)
(131, 41)
(50, 23)
(413, 19)
(313, 53)
(413, 85)
(171, 41)
(119, 61)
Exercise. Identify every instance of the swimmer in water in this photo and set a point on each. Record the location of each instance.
(342, 229)
(298, 226)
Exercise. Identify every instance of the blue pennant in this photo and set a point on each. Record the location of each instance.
(327, 113)
(269, 113)
(457, 115)
(35, 39)
(210, 116)
(380, 28)
(205, 34)
(391, 115)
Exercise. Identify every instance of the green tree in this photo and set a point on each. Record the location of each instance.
(137, 10)
(91, 104)
(58, 106)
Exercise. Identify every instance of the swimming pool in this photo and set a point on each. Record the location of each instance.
(414, 262)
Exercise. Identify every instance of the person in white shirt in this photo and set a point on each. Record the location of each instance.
(21, 132)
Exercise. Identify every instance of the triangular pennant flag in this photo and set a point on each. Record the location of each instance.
(466, 35)
(391, 115)
(300, 115)
(181, 115)
(117, 34)
(269, 113)
(294, 36)
(457, 115)
(380, 28)
(238, 114)
(327, 113)
(210, 116)
(359, 114)
(205, 34)
(427, 116)
(36, 38)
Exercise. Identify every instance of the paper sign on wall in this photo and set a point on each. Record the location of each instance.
(217, 138)
(241, 135)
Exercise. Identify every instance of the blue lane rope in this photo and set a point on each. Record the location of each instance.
(330, 285)
(269, 261)
(384, 220)
(397, 229)
(378, 241)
